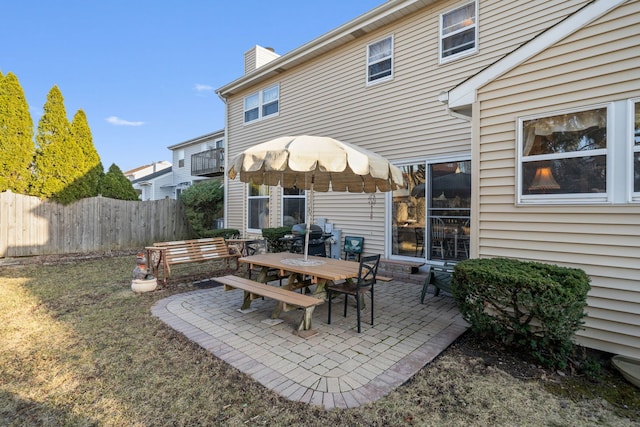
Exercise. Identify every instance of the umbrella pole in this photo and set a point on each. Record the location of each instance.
(308, 221)
(306, 242)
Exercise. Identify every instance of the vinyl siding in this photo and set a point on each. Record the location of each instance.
(401, 119)
(597, 64)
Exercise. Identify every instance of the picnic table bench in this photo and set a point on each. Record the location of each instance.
(166, 254)
(290, 300)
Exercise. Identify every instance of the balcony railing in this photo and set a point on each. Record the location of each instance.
(208, 163)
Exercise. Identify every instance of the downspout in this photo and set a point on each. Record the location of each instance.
(225, 181)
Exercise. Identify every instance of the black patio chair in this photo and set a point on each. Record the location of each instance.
(364, 283)
(440, 277)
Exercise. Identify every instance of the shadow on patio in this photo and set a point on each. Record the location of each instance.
(337, 367)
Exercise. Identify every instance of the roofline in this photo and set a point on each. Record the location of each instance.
(139, 168)
(370, 21)
(153, 175)
(462, 96)
(197, 139)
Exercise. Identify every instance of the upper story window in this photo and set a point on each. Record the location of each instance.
(210, 145)
(458, 32)
(380, 61)
(563, 157)
(262, 104)
(180, 158)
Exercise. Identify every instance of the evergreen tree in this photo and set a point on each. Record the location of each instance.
(116, 186)
(16, 137)
(92, 171)
(57, 156)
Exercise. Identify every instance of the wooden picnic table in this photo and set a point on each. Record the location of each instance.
(317, 271)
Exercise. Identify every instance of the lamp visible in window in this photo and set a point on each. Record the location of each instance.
(543, 180)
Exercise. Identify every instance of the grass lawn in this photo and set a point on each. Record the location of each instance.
(78, 347)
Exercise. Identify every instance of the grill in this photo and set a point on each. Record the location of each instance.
(316, 239)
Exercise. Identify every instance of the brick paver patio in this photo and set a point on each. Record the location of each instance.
(336, 367)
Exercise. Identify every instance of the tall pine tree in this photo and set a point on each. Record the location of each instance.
(58, 158)
(116, 186)
(16, 137)
(92, 171)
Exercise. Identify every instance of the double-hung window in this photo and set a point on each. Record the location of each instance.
(380, 61)
(258, 207)
(262, 104)
(293, 206)
(458, 32)
(563, 157)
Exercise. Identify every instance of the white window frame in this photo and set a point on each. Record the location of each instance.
(261, 104)
(210, 145)
(634, 196)
(256, 197)
(442, 36)
(428, 163)
(372, 61)
(181, 158)
(290, 196)
(567, 198)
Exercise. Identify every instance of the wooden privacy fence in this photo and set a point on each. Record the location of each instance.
(30, 226)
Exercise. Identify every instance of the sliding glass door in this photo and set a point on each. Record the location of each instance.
(430, 218)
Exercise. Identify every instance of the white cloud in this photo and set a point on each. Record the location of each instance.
(203, 88)
(121, 122)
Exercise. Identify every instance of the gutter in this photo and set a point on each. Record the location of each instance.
(225, 179)
(460, 98)
(370, 21)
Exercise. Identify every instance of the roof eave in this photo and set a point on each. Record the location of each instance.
(460, 98)
(356, 28)
(201, 138)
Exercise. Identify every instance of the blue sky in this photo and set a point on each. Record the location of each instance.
(145, 71)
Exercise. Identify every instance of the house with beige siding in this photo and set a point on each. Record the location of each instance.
(468, 98)
(556, 156)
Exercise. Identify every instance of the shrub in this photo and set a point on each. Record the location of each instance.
(227, 233)
(116, 186)
(204, 203)
(536, 307)
(273, 236)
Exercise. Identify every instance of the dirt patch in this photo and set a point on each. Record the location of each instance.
(602, 381)
(65, 258)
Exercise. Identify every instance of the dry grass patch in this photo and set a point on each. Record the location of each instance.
(79, 348)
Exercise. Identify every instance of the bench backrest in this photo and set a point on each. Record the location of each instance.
(182, 251)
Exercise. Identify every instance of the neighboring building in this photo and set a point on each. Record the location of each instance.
(147, 179)
(145, 170)
(535, 155)
(196, 160)
(155, 186)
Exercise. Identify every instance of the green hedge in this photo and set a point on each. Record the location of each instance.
(273, 236)
(537, 307)
(227, 233)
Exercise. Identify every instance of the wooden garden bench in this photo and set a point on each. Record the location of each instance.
(166, 254)
(290, 300)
